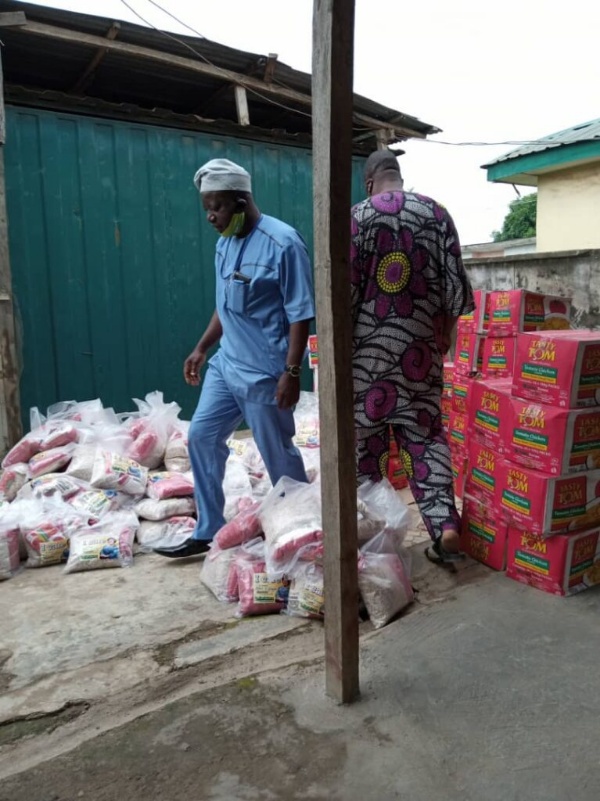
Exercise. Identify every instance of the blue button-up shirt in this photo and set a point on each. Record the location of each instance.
(264, 284)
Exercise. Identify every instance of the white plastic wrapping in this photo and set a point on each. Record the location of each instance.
(152, 429)
(108, 543)
(219, 573)
(177, 458)
(165, 533)
(151, 509)
(115, 472)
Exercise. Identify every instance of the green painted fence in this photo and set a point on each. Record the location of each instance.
(112, 259)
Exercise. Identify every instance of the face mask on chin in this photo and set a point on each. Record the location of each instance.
(235, 224)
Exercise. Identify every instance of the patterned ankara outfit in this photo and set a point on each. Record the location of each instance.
(407, 276)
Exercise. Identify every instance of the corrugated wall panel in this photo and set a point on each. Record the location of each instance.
(112, 260)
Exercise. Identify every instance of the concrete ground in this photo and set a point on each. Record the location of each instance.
(115, 688)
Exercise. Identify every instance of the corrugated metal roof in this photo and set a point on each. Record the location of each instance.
(41, 63)
(584, 132)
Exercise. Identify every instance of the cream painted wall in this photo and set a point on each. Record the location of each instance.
(568, 209)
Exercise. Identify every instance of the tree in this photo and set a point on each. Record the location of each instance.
(520, 220)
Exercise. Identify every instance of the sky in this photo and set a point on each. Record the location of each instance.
(490, 71)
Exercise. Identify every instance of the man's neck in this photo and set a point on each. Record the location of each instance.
(252, 217)
(387, 186)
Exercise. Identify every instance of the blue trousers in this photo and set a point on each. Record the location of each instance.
(218, 414)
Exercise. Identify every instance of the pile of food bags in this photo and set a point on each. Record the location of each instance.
(269, 557)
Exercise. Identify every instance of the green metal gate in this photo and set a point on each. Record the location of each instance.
(112, 259)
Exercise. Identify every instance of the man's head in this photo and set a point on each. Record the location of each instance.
(226, 190)
(382, 172)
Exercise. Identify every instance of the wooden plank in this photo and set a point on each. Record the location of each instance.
(10, 406)
(96, 60)
(241, 104)
(271, 90)
(270, 67)
(10, 18)
(333, 53)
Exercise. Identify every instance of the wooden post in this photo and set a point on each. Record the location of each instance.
(241, 104)
(10, 407)
(333, 52)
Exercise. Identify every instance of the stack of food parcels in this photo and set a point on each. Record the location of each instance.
(85, 482)
(524, 427)
(269, 557)
(87, 488)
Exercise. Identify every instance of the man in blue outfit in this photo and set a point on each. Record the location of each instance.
(264, 306)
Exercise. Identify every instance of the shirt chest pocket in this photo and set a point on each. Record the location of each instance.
(252, 290)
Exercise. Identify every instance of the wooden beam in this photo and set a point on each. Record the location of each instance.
(384, 136)
(10, 18)
(270, 67)
(10, 406)
(241, 104)
(272, 90)
(333, 55)
(97, 58)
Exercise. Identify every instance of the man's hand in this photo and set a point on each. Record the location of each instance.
(192, 366)
(288, 391)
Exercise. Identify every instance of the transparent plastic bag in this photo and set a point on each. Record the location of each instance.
(150, 509)
(384, 578)
(245, 526)
(59, 484)
(165, 533)
(163, 485)
(306, 418)
(55, 430)
(96, 503)
(383, 502)
(177, 459)
(100, 429)
(112, 471)
(219, 573)
(10, 560)
(259, 594)
(50, 461)
(312, 462)
(152, 429)
(108, 543)
(236, 485)
(46, 526)
(291, 519)
(12, 480)
(306, 595)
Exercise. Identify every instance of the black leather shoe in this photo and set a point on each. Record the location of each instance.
(190, 547)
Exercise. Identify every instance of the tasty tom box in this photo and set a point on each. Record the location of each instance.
(546, 505)
(457, 429)
(562, 565)
(490, 402)
(499, 357)
(468, 354)
(553, 440)
(519, 310)
(480, 482)
(477, 320)
(461, 393)
(448, 378)
(560, 368)
(459, 468)
(484, 535)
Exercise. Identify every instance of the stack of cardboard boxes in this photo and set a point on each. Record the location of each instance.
(532, 446)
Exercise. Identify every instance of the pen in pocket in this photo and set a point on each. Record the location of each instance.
(241, 277)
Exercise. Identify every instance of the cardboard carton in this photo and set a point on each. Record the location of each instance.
(484, 534)
(520, 310)
(468, 356)
(448, 378)
(457, 429)
(490, 403)
(480, 482)
(499, 357)
(546, 505)
(560, 368)
(462, 393)
(476, 321)
(459, 469)
(552, 440)
(562, 565)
